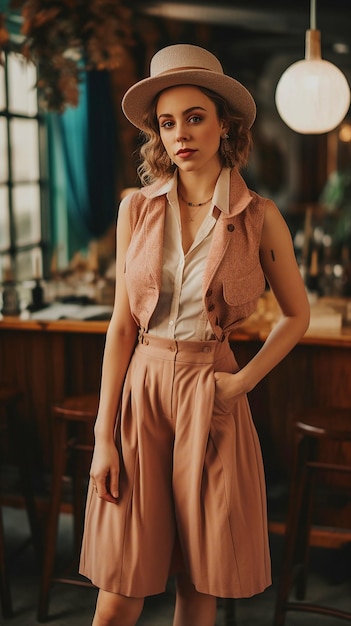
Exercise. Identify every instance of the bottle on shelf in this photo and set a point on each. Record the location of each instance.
(10, 297)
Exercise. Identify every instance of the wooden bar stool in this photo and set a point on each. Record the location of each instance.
(73, 421)
(314, 427)
(11, 426)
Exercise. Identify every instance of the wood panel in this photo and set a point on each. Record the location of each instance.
(46, 366)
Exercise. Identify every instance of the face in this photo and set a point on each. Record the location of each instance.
(189, 127)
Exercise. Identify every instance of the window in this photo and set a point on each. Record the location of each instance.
(24, 196)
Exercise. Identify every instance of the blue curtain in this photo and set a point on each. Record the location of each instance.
(102, 153)
(61, 234)
(82, 156)
(88, 138)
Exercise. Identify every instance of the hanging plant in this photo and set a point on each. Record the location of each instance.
(64, 37)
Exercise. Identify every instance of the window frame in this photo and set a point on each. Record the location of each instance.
(42, 246)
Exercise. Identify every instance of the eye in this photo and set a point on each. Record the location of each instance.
(166, 124)
(195, 119)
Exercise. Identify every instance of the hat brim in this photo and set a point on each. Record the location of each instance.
(138, 99)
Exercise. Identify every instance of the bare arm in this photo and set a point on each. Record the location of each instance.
(282, 272)
(120, 342)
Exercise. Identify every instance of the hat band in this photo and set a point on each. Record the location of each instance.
(181, 69)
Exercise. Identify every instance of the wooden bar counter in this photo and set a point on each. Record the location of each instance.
(48, 360)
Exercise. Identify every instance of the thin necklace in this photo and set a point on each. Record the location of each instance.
(194, 204)
(191, 218)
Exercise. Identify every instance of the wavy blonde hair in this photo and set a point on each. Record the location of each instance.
(233, 152)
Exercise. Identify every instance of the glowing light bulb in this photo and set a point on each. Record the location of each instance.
(312, 95)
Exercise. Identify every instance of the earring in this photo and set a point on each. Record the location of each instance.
(225, 147)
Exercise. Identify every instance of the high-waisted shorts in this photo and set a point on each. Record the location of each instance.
(192, 488)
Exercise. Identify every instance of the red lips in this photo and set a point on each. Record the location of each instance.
(185, 151)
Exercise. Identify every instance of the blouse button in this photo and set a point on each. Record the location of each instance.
(211, 307)
(209, 293)
(231, 227)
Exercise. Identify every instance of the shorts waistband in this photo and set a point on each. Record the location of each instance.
(186, 351)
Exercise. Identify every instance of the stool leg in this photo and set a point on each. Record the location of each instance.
(53, 518)
(17, 438)
(5, 592)
(305, 530)
(293, 523)
(230, 614)
(76, 499)
(78, 476)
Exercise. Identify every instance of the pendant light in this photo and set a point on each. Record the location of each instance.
(313, 95)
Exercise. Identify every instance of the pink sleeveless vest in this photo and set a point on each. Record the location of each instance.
(233, 278)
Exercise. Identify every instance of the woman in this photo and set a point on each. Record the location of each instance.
(177, 482)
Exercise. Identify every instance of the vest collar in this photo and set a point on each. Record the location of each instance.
(239, 195)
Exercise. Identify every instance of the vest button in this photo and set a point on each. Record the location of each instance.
(211, 307)
(230, 227)
(208, 293)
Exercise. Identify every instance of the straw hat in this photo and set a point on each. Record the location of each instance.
(185, 64)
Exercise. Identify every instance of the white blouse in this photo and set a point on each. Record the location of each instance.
(180, 312)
